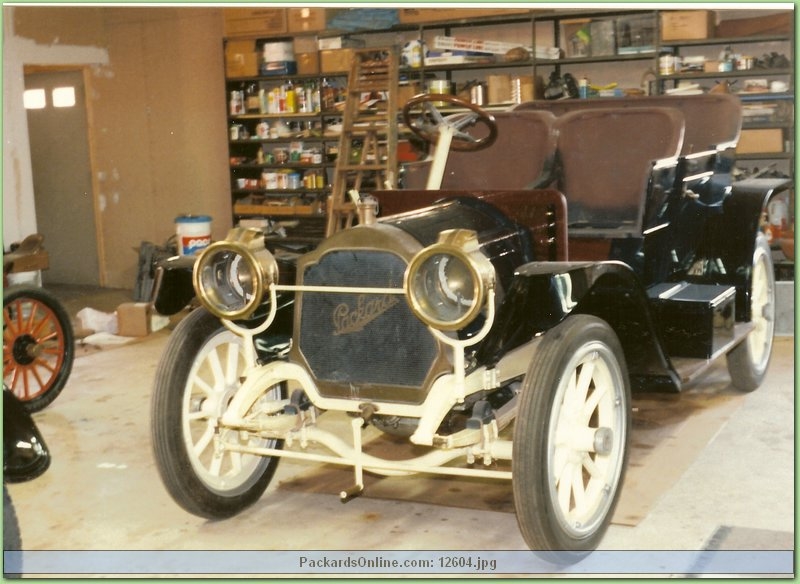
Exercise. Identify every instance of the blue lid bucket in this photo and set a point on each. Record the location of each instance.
(194, 233)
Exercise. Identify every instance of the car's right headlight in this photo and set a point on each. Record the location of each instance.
(231, 276)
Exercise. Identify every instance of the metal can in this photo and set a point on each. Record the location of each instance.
(666, 64)
(477, 94)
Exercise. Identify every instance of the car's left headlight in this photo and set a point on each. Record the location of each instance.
(446, 283)
(231, 276)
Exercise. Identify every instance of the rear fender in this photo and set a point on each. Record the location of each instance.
(543, 294)
(732, 238)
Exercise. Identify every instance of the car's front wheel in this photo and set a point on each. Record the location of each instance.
(570, 440)
(196, 378)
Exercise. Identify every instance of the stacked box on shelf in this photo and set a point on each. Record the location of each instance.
(421, 15)
(686, 25)
(306, 55)
(278, 59)
(302, 20)
(263, 22)
(241, 59)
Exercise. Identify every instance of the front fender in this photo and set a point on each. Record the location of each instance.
(172, 288)
(25, 454)
(543, 294)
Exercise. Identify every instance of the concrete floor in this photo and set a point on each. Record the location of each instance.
(102, 491)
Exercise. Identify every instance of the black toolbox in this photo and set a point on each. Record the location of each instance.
(695, 320)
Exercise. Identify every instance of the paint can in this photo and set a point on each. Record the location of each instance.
(194, 233)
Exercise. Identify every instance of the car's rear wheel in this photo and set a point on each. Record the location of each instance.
(748, 361)
(570, 440)
(196, 378)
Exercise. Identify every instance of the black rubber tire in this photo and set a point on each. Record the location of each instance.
(179, 475)
(16, 361)
(561, 353)
(746, 368)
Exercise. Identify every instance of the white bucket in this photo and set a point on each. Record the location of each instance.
(194, 233)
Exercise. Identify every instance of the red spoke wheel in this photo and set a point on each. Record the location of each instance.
(38, 346)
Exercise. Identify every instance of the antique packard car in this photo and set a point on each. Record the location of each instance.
(498, 316)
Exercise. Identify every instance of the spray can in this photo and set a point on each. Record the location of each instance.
(583, 88)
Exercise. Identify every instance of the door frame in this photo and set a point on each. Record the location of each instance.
(85, 71)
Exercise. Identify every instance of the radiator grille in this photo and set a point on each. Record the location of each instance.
(359, 341)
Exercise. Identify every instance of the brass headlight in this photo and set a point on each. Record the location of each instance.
(446, 283)
(231, 276)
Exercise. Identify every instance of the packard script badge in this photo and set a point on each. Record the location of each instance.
(347, 319)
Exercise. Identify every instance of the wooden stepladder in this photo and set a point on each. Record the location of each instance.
(368, 145)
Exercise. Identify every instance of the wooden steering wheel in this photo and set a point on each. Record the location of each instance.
(425, 120)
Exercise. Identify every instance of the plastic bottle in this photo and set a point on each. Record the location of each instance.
(291, 98)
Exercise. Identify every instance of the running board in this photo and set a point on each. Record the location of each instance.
(689, 369)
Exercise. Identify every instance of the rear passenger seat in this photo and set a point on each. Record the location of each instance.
(713, 120)
(607, 157)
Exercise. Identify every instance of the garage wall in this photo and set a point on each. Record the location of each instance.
(157, 120)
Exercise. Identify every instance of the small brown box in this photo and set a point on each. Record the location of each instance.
(307, 63)
(254, 21)
(31, 262)
(305, 20)
(335, 60)
(759, 140)
(780, 23)
(415, 15)
(499, 88)
(133, 319)
(241, 59)
(684, 25)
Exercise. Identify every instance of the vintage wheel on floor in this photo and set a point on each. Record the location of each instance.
(570, 442)
(38, 346)
(748, 361)
(196, 378)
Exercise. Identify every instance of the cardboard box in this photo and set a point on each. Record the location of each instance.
(305, 44)
(254, 22)
(752, 141)
(340, 42)
(335, 60)
(31, 262)
(133, 319)
(416, 15)
(241, 59)
(498, 88)
(301, 20)
(780, 23)
(307, 63)
(686, 25)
